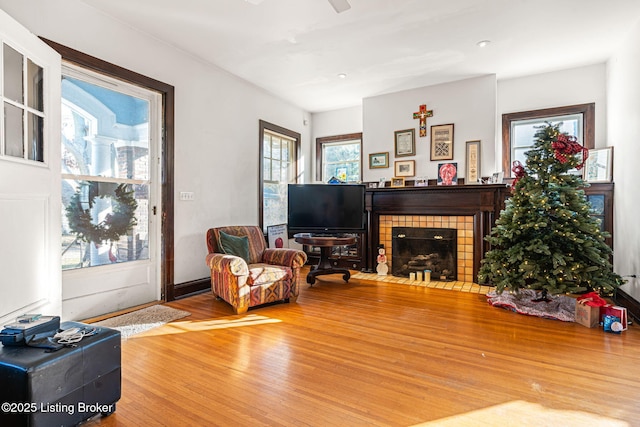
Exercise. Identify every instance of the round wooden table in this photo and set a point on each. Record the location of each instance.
(326, 243)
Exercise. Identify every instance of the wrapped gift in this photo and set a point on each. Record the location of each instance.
(615, 311)
(611, 324)
(588, 309)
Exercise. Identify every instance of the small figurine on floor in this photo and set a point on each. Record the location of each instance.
(382, 267)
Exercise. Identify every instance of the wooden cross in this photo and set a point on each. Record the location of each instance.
(422, 115)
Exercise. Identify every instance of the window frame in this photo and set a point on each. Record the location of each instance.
(588, 126)
(320, 142)
(270, 127)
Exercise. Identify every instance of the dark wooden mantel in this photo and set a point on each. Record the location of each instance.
(483, 202)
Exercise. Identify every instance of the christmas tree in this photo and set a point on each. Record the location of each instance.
(545, 239)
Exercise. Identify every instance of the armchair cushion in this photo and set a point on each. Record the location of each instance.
(260, 274)
(235, 245)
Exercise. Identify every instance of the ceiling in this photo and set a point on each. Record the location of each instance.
(296, 49)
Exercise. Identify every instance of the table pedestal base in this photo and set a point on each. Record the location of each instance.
(325, 267)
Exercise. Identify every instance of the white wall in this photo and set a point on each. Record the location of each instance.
(331, 123)
(581, 85)
(623, 90)
(469, 104)
(216, 119)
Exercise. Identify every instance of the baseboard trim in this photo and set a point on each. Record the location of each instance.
(185, 289)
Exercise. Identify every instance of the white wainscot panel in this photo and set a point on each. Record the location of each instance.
(23, 256)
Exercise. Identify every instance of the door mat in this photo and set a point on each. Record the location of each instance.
(560, 307)
(143, 320)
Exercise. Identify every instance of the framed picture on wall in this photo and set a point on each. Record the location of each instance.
(405, 141)
(405, 167)
(378, 160)
(472, 175)
(442, 142)
(599, 165)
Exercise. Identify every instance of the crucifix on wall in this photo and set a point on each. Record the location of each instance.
(422, 115)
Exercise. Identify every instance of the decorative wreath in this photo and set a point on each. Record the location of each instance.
(116, 224)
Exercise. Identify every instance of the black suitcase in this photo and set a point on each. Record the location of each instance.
(64, 387)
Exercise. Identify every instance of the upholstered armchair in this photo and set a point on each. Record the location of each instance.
(245, 273)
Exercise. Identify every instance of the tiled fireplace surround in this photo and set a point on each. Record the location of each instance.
(464, 225)
(470, 209)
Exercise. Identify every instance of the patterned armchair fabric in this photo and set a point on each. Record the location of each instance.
(269, 275)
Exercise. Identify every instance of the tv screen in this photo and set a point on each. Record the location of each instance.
(326, 208)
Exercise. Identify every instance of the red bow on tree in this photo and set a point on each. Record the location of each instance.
(567, 145)
(518, 172)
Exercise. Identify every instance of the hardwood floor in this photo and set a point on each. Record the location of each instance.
(369, 354)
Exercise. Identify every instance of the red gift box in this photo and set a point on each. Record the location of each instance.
(614, 310)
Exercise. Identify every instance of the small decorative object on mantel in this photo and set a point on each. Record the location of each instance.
(497, 177)
(422, 115)
(473, 163)
(447, 174)
(421, 182)
(397, 181)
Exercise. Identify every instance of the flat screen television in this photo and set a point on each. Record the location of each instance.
(326, 208)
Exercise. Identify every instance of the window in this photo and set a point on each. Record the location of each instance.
(339, 156)
(23, 107)
(279, 167)
(518, 129)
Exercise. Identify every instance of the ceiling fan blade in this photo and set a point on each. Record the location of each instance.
(340, 5)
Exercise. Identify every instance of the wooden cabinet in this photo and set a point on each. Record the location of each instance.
(600, 195)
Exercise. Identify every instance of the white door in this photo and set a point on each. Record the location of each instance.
(110, 169)
(29, 174)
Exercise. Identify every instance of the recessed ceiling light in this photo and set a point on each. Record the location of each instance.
(342, 76)
(483, 43)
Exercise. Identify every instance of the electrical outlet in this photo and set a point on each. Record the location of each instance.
(187, 195)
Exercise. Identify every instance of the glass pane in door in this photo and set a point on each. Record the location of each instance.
(35, 137)
(34, 86)
(13, 131)
(12, 66)
(106, 170)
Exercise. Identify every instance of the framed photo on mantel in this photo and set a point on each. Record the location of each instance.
(472, 175)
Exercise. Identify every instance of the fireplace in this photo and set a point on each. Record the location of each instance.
(415, 249)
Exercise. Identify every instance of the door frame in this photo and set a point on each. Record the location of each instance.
(166, 256)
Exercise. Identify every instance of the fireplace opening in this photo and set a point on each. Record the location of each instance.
(415, 249)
